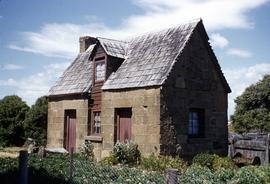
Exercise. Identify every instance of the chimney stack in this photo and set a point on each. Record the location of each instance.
(85, 42)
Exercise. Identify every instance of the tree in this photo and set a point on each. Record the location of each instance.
(252, 112)
(12, 115)
(35, 124)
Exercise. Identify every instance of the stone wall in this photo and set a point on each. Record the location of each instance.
(145, 122)
(56, 114)
(193, 83)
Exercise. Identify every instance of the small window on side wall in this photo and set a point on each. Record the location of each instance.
(196, 123)
(97, 123)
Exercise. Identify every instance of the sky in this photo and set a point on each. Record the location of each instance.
(39, 39)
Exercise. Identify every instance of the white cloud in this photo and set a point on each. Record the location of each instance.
(239, 53)
(61, 40)
(240, 79)
(36, 85)
(11, 67)
(8, 82)
(218, 41)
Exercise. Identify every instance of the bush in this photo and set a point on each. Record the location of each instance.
(266, 171)
(160, 163)
(222, 162)
(204, 159)
(110, 160)
(249, 175)
(224, 175)
(87, 151)
(196, 174)
(9, 170)
(52, 169)
(213, 162)
(127, 153)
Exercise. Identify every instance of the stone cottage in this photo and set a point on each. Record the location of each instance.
(163, 90)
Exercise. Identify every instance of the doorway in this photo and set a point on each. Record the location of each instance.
(70, 130)
(123, 124)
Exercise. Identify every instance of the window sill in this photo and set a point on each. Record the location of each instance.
(94, 138)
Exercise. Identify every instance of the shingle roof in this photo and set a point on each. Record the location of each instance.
(77, 77)
(150, 57)
(114, 48)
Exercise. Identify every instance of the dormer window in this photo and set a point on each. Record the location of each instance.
(100, 69)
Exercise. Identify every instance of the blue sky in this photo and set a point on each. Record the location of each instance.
(38, 39)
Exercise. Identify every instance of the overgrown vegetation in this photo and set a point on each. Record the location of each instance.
(18, 121)
(127, 153)
(213, 162)
(87, 151)
(252, 112)
(56, 169)
(161, 163)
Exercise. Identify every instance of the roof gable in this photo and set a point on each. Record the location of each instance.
(115, 48)
(150, 57)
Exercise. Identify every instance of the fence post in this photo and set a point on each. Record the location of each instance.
(267, 150)
(71, 166)
(23, 170)
(171, 176)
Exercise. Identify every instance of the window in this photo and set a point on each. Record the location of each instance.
(100, 69)
(97, 123)
(196, 123)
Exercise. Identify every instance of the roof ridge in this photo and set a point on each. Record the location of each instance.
(197, 20)
(110, 39)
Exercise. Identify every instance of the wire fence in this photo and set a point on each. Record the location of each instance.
(82, 172)
(77, 170)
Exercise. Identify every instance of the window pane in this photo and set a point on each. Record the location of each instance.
(100, 71)
(193, 128)
(97, 123)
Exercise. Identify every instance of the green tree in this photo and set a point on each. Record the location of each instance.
(12, 115)
(35, 124)
(252, 112)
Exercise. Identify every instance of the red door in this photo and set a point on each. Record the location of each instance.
(124, 124)
(70, 130)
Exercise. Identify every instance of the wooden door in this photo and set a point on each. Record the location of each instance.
(70, 130)
(124, 124)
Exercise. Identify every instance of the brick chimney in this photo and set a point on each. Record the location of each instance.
(85, 42)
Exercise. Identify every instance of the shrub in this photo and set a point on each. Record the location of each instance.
(222, 162)
(249, 175)
(160, 163)
(213, 162)
(224, 175)
(127, 153)
(51, 169)
(110, 160)
(9, 170)
(204, 159)
(196, 174)
(266, 171)
(87, 151)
